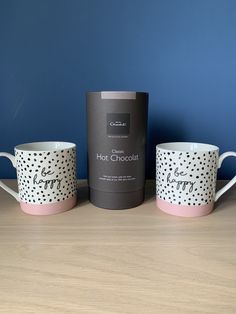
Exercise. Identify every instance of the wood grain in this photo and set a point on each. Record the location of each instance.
(92, 260)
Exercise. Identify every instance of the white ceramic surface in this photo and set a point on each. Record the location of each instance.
(46, 175)
(186, 175)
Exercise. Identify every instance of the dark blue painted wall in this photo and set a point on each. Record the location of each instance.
(182, 51)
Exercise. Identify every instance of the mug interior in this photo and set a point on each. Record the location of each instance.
(45, 146)
(187, 147)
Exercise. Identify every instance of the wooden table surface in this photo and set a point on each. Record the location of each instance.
(140, 260)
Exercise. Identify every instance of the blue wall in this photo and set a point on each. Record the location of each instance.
(182, 51)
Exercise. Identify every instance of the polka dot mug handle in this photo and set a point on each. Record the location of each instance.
(3, 185)
(231, 182)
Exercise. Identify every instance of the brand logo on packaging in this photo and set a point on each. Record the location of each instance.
(118, 123)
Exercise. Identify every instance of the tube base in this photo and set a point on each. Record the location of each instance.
(116, 200)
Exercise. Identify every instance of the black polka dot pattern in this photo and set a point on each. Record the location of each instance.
(46, 177)
(186, 178)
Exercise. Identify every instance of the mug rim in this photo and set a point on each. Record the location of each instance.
(187, 147)
(45, 146)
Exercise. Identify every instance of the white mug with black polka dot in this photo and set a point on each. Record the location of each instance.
(186, 178)
(46, 176)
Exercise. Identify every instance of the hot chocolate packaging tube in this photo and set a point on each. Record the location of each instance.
(117, 127)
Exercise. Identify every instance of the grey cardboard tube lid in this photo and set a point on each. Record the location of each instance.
(117, 127)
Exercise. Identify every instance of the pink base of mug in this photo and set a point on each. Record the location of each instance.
(184, 210)
(49, 209)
